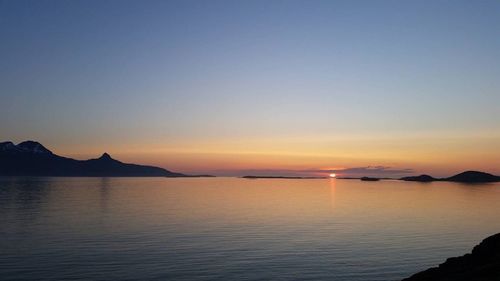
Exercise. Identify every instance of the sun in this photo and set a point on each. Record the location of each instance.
(332, 175)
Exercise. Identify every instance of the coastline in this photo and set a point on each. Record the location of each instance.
(482, 264)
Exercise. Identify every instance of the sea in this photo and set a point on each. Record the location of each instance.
(236, 229)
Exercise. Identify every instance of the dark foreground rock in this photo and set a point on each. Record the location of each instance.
(483, 264)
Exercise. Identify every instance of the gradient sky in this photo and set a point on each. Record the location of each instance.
(236, 87)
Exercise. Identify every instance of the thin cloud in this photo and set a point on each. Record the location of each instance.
(377, 171)
(380, 170)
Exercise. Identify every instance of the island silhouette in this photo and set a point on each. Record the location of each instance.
(369, 179)
(465, 177)
(30, 158)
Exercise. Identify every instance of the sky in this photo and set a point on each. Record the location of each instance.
(262, 87)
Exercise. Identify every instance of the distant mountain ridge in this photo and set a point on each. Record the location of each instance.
(23, 147)
(30, 158)
(466, 177)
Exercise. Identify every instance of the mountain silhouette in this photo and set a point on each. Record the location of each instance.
(465, 177)
(31, 158)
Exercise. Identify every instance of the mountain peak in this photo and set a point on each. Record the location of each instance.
(26, 147)
(33, 147)
(105, 156)
(7, 145)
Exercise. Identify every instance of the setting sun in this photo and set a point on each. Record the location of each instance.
(332, 175)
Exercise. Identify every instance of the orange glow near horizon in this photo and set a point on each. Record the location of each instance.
(439, 155)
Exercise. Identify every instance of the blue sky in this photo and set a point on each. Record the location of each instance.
(164, 73)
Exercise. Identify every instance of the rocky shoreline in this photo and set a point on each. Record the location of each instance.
(482, 264)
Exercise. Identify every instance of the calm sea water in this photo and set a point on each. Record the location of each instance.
(236, 229)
